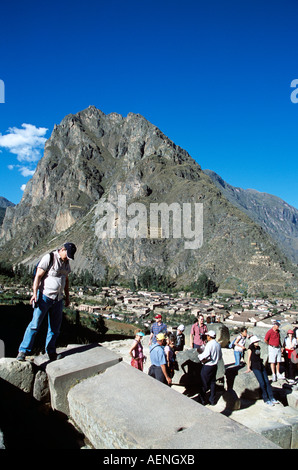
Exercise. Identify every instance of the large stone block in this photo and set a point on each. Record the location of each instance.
(124, 408)
(41, 391)
(20, 374)
(189, 368)
(222, 333)
(278, 423)
(77, 364)
(292, 399)
(244, 384)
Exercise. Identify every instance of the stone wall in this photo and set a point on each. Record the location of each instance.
(118, 407)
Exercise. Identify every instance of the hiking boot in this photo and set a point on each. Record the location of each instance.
(52, 356)
(21, 356)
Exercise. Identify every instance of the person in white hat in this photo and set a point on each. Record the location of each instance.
(180, 338)
(209, 359)
(255, 365)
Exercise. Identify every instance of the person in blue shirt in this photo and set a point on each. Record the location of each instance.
(157, 327)
(158, 368)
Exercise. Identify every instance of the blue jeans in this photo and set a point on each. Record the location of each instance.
(237, 355)
(263, 380)
(45, 306)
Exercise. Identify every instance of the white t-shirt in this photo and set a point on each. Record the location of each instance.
(290, 344)
(53, 282)
(212, 352)
(241, 342)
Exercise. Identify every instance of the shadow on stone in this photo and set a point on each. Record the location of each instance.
(28, 425)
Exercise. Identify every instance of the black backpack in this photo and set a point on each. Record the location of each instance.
(48, 268)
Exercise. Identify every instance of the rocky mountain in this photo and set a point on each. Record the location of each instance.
(92, 159)
(4, 203)
(277, 217)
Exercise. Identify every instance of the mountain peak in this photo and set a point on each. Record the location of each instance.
(93, 157)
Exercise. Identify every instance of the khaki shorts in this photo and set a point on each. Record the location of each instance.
(274, 355)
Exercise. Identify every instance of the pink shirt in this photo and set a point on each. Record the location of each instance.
(137, 352)
(196, 330)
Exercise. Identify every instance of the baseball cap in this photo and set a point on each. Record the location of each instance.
(211, 333)
(160, 336)
(158, 316)
(180, 327)
(71, 249)
(140, 333)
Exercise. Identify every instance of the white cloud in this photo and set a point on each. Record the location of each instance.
(26, 143)
(26, 171)
(22, 188)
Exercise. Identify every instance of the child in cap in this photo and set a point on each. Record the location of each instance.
(180, 339)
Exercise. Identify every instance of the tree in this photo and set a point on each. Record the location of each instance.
(151, 280)
(203, 286)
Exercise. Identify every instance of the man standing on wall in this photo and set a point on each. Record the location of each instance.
(49, 285)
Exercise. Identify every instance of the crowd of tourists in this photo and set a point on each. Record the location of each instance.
(163, 349)
(164, 346)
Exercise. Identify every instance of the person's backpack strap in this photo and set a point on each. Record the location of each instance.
(155, 346)
(51, 260)
(49, 266)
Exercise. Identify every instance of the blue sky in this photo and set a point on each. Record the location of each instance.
(214, 76)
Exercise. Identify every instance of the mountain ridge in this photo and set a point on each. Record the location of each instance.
(91, 157)
(275, 215)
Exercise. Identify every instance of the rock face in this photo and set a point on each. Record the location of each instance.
(91, 159)
(19, 374)
(4, 203)
(277, 217)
